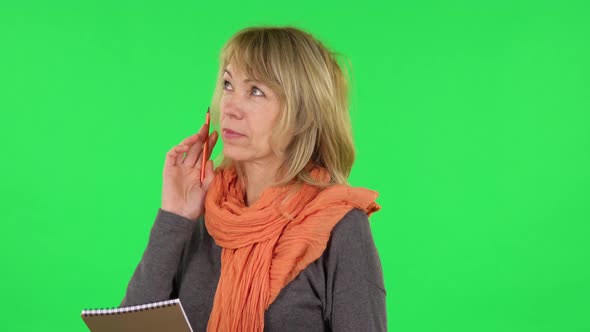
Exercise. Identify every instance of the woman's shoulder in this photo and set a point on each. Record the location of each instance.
(352, 226)
(352, 248)
(351, 236)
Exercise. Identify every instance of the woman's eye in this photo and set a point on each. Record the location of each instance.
(225, 83)
(261, 94)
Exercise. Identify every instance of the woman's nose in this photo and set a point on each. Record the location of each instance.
(232, 107)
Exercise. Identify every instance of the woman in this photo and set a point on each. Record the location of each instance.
(274, 239)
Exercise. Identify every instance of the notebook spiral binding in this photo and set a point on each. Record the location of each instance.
(122, 310)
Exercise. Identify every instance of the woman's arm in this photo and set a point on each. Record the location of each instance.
(154, 277)
(355, 286)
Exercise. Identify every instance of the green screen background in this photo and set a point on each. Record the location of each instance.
(471, 119)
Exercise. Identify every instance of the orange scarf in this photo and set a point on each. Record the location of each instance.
(262, 250)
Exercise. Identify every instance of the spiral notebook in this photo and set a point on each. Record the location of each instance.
(160, 316)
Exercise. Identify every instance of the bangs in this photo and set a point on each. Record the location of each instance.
(251, 53)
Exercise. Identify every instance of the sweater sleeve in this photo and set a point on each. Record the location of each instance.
(355, 286)
(155, 276)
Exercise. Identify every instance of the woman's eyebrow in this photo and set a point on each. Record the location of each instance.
(246, 80)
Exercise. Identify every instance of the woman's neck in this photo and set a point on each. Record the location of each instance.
(259, 175)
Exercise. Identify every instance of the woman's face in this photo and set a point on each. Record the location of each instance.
(249, 110)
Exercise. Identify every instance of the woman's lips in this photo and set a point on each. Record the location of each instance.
(230, 134)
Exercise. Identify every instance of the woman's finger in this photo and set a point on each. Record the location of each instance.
(180, 150)
(212, 140)
(192, 138)
(195, 146)
(172, 154)
(209, 175)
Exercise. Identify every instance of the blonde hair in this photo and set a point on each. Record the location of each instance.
(313, 125)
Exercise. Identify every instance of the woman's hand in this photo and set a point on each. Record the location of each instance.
(182, 190)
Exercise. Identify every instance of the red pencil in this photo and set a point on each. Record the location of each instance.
(205, 148)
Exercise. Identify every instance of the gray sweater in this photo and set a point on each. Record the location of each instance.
(343, 290)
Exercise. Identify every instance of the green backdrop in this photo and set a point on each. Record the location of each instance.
(471, 119)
